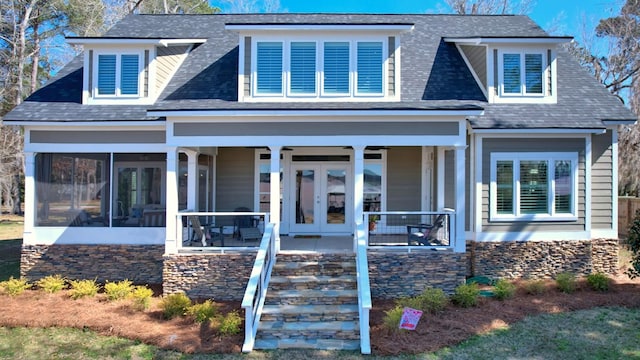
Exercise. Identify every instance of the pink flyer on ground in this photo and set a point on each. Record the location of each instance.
(410, 318)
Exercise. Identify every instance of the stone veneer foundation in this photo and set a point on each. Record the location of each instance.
(141, 264)
(208, 275)
(396, 274)
(542, 259)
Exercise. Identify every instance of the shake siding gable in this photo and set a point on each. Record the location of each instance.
(168, 60)
(490, 145)
(601, 182)
(478, 59)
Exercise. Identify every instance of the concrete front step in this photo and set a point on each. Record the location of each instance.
(314, 268)
(322, 282)
(341, 330)
(312, 297)
(311, 344)
(293, 313)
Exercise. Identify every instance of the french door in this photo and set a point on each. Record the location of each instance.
(322, 198)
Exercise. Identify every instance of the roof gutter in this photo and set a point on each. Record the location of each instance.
(481, 40)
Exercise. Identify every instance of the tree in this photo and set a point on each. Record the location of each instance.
(618, 70)
(499, 7)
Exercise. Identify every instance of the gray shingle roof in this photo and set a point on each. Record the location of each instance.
(434, 75)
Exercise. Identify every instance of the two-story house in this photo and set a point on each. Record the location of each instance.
(474, 145)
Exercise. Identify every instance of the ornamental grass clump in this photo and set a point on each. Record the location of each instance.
(392, 318)
(466, 295)
(535, 287)
(202, 312)
(230, 324)
(503, 289)
(141, 296)
(118, 290)
(83, 288)
(51, 284)
(598, 281)
(14, 287)
(566, 282)
(175, 305)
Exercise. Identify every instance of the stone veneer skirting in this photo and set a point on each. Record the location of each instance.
(542, 259)
(141, 264)
(208, 276)
(396, 274)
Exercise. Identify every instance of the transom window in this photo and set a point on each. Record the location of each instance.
(317, 68)
(118, 75)
(522, 73)
(534, 186)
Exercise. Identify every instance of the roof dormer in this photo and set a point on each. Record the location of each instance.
(129, 71)
(513, 70)
(319, 62)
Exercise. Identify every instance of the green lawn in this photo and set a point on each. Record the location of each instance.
(604, 333)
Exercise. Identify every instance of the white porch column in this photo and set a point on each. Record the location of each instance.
(171, 243)
(460, 241)
(29, 197)
(441, 179)
(358, 184)
(274, 201)
(192, 179)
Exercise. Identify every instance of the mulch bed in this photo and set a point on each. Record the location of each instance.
(447, 328)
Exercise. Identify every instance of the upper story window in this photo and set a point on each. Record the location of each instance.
(320, 69)
(117, 75)
(523, 73)
(534, 186)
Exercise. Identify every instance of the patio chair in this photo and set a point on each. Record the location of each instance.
(202, 232)
(153, 218)
(425, 234)
(246, 226)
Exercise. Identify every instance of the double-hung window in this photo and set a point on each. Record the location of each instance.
(118, 75)
(369, 68)
(522, 73)
(269, 68)
(534, 186)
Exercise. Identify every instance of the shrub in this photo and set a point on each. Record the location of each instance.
(118, 290)
(141, 297)
(83, 288)
(14, 287)
(633, 240)
(392, 318)
(175, 305)
(230, 324)
(202, 312)
(566, 282)
(51, 284)
(466, 295)
(535, 287)
(430, 301)
(598, 281)
(503, 289)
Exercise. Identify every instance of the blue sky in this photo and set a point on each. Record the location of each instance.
(569, 13)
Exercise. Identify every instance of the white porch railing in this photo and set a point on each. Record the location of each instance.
(256, 291)
(218, 230)
(411, 230)
(364, 287)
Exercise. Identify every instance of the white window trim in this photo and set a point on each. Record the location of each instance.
(319, 94)
(551, 157)
(495, 90)
(118, 55)
(523, 86)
